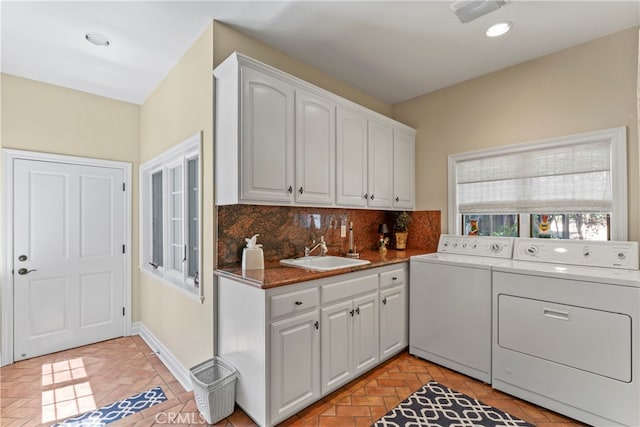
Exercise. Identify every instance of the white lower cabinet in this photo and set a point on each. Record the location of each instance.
(393, 321)
(394, 312)
(295, 363)
(337, 351)
(366, 350)
(349, 340)
(294, 344)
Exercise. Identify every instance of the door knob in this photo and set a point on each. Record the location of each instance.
(22, 258)
(24, 271)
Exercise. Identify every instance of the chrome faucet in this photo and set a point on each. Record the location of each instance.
(321, 243)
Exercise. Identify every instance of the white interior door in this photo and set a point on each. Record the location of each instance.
(69, 231)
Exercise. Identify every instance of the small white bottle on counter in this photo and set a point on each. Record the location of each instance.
(252, 255)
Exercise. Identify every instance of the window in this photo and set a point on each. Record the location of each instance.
(490, 225)
(571, 187)
(170, 215)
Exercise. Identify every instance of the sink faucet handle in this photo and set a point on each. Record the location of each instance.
(323, 246)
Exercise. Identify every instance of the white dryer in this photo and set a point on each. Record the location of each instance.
(566, 328)
(450, 302)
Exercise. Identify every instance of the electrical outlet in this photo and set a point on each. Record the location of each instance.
(343, 231)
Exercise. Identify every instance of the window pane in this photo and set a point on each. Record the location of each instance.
(177, 223)
(176, 209)
(578, 226)
(193, 214)
(490, 225)
(156, 218)
(177, 179)
(176, 257)
(176, 232)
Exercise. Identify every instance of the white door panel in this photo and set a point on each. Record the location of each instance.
(68, 233)
(96, 216)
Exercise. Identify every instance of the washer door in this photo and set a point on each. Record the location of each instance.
(587, 339)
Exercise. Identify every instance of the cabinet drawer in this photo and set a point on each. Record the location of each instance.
(393, 278)
(293, 302)
(349, 288)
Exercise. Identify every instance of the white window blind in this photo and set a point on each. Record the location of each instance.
(566, 178)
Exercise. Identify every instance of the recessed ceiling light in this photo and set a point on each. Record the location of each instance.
(98, 39)
(499, 29)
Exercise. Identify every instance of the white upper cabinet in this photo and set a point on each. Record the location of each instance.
(403, 170)
(351, 158)
(380, 165)
(267, 137)
(315, 149)
(280, 141)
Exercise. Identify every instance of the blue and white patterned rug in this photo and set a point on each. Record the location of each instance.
(436, 405)
(117, 410)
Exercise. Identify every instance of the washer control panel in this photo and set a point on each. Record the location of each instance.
(590, 253)
(495, 247)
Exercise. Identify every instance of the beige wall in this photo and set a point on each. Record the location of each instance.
(228, 40)
(587, 87)
(41, 117)
(178, 108)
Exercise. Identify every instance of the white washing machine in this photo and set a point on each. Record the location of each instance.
(566, 328)
(450, 302)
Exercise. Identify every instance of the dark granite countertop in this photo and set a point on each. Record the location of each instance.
(275, 275)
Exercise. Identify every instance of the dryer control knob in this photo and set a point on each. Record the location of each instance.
(586, 253)
(531, 250)
(495, 247)
(621, 255)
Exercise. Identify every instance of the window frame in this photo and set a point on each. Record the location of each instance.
(178, 156)
(617, 138)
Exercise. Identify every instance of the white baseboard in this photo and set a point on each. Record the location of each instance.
(170, 361)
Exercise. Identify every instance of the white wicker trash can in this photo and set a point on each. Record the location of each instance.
(214, 388)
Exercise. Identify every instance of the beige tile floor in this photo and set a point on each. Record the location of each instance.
(51, 388)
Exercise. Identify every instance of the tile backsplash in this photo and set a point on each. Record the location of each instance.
(285, 231)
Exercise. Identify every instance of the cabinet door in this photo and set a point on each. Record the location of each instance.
(351, 158)
(393, 320)
(403, 170)
(336, 336)
(380, 165)
(366, 351)
(295, 364)
(267, 106)
(315, 149)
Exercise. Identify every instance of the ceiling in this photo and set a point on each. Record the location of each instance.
(392, 50)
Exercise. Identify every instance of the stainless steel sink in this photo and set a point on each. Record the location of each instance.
(323, 263)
